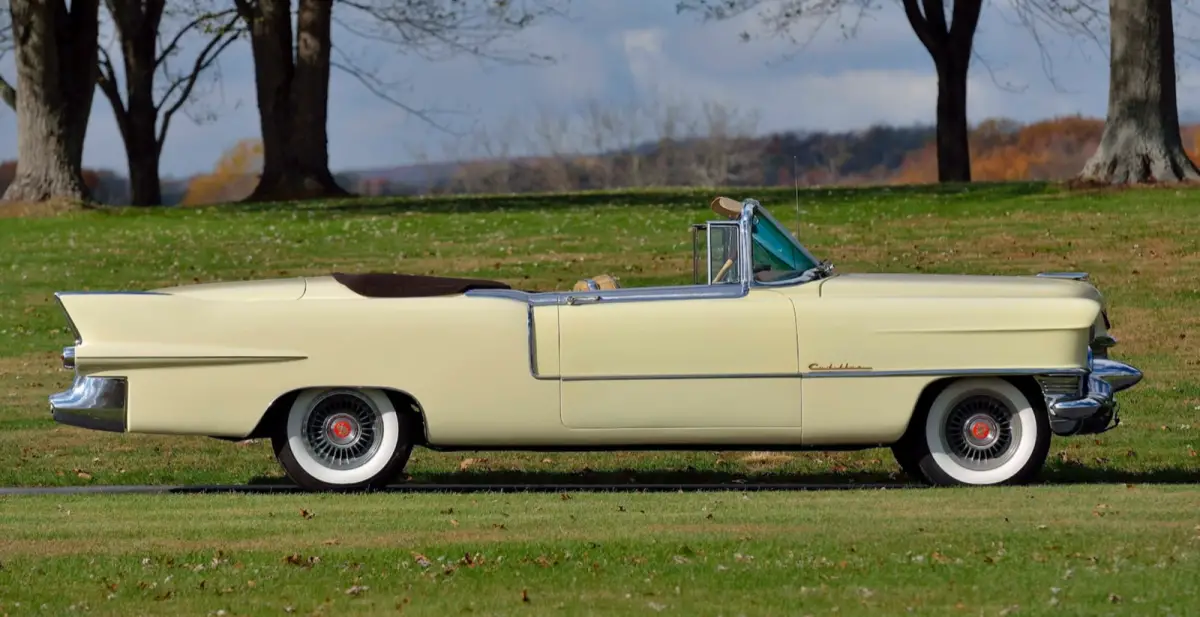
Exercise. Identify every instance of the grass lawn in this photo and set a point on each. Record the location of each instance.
(1142, 248)
(1118, 532)
(1079, 550)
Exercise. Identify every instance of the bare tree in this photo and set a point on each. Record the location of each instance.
(143, 117)
(293, 90)
(1141, 140)
(554, 135)
(949, 44)
(293, 97)
(725, 154)
(56, 58)
(601, 126)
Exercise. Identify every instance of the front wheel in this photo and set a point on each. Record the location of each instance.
(979, 431)
(342, 439)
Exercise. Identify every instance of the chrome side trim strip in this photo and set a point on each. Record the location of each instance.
(842, 374)
(682, 376)
(96, 403)
(626, 294)
(955, 372)
(109, 293)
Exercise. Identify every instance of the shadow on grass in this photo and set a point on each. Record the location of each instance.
(619, 479)
(1060, 474)
(1075, 473)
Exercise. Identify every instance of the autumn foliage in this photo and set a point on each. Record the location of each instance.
(232, 179)
(1002, 150)
(8, 171)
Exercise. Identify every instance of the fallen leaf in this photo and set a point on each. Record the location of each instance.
(306, 514)
(468, 462)
(356, 590)
(524, 595)
(421, 560)
(1114, 598)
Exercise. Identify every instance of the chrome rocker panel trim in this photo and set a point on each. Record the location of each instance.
(97, 403)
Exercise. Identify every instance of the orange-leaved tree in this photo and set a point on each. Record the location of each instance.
(232, 179)
(1002, 150)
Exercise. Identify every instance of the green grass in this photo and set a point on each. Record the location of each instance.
(1085, 550)
(1142, 248)
(1106, 543)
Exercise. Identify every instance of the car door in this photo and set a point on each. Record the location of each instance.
(707, 356)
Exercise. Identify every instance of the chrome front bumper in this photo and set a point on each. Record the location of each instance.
(1093, 408)
(97, 403)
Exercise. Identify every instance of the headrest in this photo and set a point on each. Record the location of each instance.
(726, 207)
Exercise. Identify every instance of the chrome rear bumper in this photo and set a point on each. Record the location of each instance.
(97, 403)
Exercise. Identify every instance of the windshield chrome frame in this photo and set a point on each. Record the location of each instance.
(750, 208)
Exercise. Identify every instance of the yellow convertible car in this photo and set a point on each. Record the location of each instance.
(966, 378)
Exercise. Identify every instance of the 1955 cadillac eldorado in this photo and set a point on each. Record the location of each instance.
(964, 377)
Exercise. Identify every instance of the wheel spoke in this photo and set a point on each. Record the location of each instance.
(341, 429)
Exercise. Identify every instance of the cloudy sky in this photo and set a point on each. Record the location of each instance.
(640, 53)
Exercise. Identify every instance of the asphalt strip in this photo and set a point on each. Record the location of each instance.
(451, 488)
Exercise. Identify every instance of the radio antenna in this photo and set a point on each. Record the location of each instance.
(796, 181)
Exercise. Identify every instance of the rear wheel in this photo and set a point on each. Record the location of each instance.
(978, 431)
(342, 439)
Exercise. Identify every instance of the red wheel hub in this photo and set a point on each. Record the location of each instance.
(980, 430)
(342, 429)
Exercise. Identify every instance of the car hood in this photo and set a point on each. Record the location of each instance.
(267, 289)
(955, 286)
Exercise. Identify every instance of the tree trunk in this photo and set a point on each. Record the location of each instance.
(56, 58)
(310, 95)
(137, 115)
(292, 99)
(1141, 141)
(953, 146)
(949, 45)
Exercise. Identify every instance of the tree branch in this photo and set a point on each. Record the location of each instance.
(108, 86)
(451, 27)
(371, 83)
(204, 59)
(8, 93)
(171, 47)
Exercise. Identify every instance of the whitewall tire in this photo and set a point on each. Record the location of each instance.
(977, 431)
(342, 439)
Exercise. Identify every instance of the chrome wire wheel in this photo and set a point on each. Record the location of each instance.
(976, 431)
(979, 432)
(342, 429)
(342, 439)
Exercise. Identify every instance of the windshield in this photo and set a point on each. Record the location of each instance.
(776, 253)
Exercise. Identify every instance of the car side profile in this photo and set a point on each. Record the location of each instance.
(965, 378)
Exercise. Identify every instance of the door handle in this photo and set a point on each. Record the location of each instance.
(573, 300)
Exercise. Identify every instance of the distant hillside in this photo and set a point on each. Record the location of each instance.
(1001, 149)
